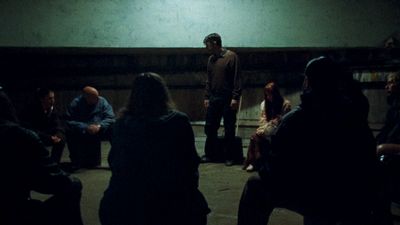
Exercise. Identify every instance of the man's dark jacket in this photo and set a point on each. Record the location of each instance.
(323, 157)
(25, 167)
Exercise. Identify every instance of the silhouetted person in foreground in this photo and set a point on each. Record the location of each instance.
(154, 163)
(322, 163)
(26, 166)
(42, 117)
(89, 119)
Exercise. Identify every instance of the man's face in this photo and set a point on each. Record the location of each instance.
(211, 47)
(91, 99)
(48, 100)
(391, 87)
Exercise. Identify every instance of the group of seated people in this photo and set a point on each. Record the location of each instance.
(83, 126)
(152, 182)
(319, 158)
(322, 160)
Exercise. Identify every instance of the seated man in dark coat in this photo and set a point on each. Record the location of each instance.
(390, 132)
(89, 118)
(389, 138)
(323, 162)
(42, 117)
(26, 167)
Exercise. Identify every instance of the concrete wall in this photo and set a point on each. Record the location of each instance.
(112, 71)
(177, 23)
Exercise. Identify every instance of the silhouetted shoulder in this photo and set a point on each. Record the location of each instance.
(18, 131)
(230, 53)
(178, 116)
(295, 113)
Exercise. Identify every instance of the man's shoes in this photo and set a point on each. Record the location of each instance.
(229, 162)
(205, 159)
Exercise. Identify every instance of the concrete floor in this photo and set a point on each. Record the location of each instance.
(221, 185)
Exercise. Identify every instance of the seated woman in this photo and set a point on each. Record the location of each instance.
(272, 108)
(154, 163)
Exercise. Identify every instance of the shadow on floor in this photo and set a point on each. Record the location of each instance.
(221, 185)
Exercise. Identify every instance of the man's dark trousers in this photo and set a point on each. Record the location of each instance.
(218, 108)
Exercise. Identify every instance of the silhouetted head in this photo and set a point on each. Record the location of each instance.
(391, 42)
(7, 110)
(91, 95)
(213, 43)
(322, 75)
(46, 97)
(149, 96)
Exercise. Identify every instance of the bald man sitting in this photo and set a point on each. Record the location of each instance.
(89, 118)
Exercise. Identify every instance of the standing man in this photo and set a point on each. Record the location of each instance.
(223, 90)
(89, 118)
(42, 117)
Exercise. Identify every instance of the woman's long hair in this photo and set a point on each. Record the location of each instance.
(273, 105)
(149, 97)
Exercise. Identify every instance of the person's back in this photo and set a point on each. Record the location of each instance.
(322, 163)
(154, 166)
(328, 164)
(157, 164)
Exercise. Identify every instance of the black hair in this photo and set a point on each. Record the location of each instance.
(273, 108)
(149, 96)
(43, 92)
(323, 74)
(213, 38)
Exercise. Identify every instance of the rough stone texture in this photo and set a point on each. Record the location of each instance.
(173, 23)
(112, 71)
